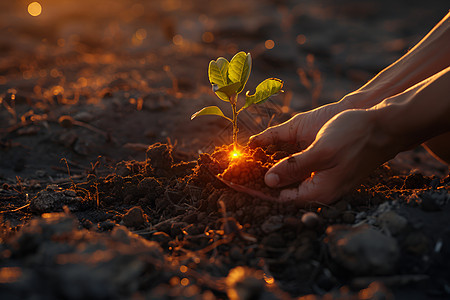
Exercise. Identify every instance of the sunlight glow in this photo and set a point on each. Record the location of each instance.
(34, 9)
(235, 154)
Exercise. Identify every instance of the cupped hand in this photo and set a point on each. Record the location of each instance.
(347, 148)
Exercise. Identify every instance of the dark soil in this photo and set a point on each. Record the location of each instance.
(108, 191)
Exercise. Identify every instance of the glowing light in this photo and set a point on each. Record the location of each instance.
(141, 34)
(178, 40)
(269, 44)
(184, 281)
(269, 279)
(208, 37)
(235, 154)
(183, 269)
(10, 274)
(34, 9)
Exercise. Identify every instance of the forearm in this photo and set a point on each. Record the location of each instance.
(428, 57)
(416, 115)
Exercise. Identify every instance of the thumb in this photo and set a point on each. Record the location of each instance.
(284, 132)
(294, 168)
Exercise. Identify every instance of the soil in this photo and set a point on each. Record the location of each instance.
(108, 191)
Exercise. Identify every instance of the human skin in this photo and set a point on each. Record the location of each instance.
(345, 133)
(425, 59)
(355, 142)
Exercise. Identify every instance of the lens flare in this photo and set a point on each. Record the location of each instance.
(34, 9)
(235, 154)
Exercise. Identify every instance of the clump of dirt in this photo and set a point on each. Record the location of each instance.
(244, 166)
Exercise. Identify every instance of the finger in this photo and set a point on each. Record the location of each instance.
(318, 189)
(284, 132)
(295, 168)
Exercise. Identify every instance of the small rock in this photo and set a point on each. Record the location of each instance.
(160, 155)
(84, 116)
(272, 224)
(105, 225)
(134, 217)
(310, 219)
(392, 221)
(362, 250)
(50, 200)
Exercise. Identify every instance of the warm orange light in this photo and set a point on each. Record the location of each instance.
(34, 9)
(183, 269)
(269, 44)
(208, 37)
(235, 154)
(184, 281)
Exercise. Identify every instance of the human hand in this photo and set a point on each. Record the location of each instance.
(347, 148)
(301, 129)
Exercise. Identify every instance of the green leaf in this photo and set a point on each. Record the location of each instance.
(239, 69)
(264, 90)
(210, 110)
(227, 91)
(218, 72)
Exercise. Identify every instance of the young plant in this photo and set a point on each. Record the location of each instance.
(228, 80)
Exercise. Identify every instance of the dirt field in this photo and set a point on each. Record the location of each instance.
(109, 191)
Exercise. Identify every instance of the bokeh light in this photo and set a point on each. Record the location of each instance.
(301, 39)
(208, 37)
(34, 9)
(269, 44)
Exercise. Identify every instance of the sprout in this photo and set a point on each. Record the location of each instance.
(228, 80)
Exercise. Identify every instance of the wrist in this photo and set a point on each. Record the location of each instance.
(361, 99)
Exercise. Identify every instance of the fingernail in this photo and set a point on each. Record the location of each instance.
(272, 179)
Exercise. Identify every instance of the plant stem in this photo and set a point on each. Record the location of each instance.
(233, 101)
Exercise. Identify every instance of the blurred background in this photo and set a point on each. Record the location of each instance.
(138, 69)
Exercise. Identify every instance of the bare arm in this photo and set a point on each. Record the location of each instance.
(428, 57)
(353, 143)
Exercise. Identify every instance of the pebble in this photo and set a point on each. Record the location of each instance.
(272, 224)
(392, 222)
(134, 217)
(310, 219)
(50, 200)
(362, 249)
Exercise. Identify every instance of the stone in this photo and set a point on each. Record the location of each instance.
(392, 222)
(134, 217)
(310, 219)
(362, 250)
(51, 200)
(272, 224)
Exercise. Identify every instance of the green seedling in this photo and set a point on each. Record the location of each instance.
(228, 80)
